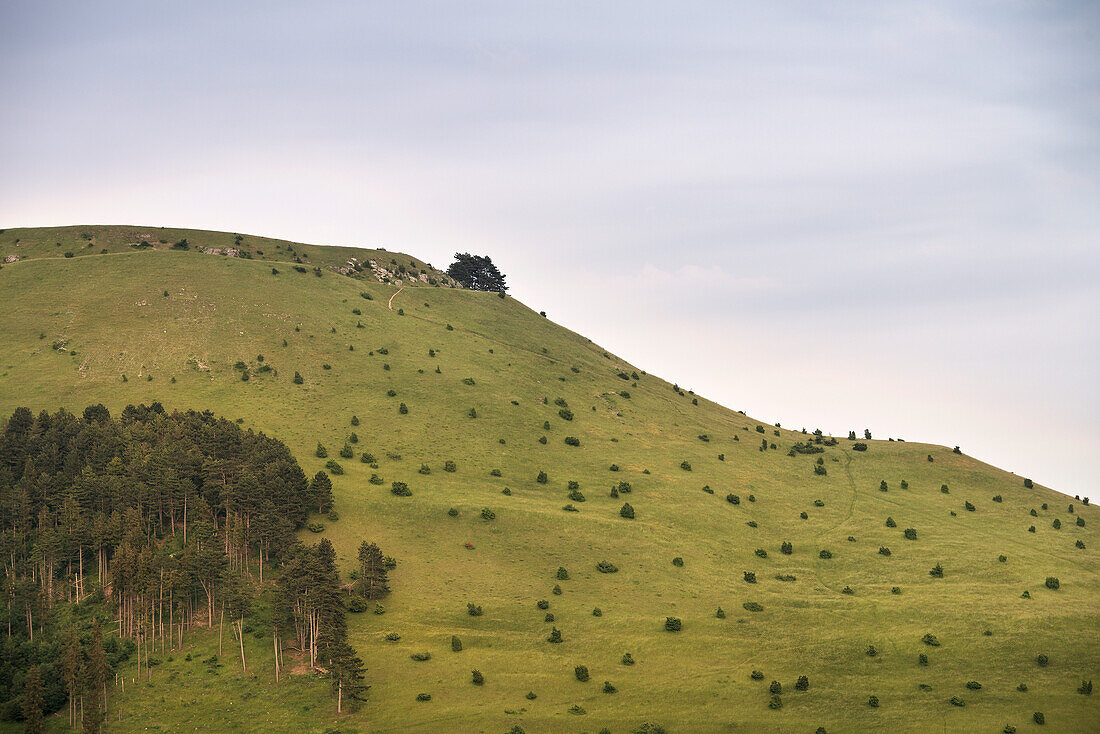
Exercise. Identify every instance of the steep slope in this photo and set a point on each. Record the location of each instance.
(137, 325)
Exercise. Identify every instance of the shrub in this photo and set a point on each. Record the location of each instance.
(1022, 688)
(608, 688)
(883, 551)
(393, 637)
(472, 412)
(627, 659)
(1002, 559)
(882, 486)
(895, 589)
(930, 639)
(859, 446)
(936, 572)
(477, 678)
(775, 688)
(1031, 529)
(321, 452)
(761, 552)
(542, 604)
(720, 614)
(685, 465)
(495, 473)
(424, 469)
(819, 503)
(1053, 583)
(802, 684)
(346, 452)
(627, 511)
(1057, 524)
(421, 657)
(597, 612)
(375, 479)
(1042, 660)
(890, 523)
(474, 610)
(624, 487)
(572, 441)
(910, 534)
(555, 635)
(606, 567)
(355, 604)
(456, 644)
(750, 577)
(872, 701)
(956, 701)
(872, 651)
(562, 574)
(733, 499)
(565, 414)
(1080, 521)
(403, 409)
(756, 675)
(775, 703)
(576, 495)
(581, 673)
(974, 685)
(969, 507)
(401, 489)
(825, 554)
(423, 697)
(1028, 483)
(997, 498)
(531, 695)
(1080, 544)
(315, 527)
(556, 590)
(542, 478)
(678, 562)
(487, 514)
(751, 606)
(1038, 718)
(1086, 688)
(786, 548)
(673, 624)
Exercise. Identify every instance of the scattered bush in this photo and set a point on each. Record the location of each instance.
(890, 523)
(1086, 688)
(775, 703)
(733, 499)
(775, 688)
(474, 610)
(555, 635)
(597, 612)
(456, 644)
(1053, 583)
(572, 441)
(400, 489)
(678, 562)
(627, 511)
(956, 701)
(872, 701)
(1042, 660)
(910, 534)
(673, 624)
(1028, 483)
(581, 673)
(750, 577)
(970, 508)
(936, 572)
(423, 697)
(556, 590)
(685, 465)
(752, 606)
(421, 657)
(1057, 524)
(487, 514)
(825, 554)
(562, 574)
(922, 659)
(872, 651)
(627, 659)
(606, 567)
(315, 527)
(477, 678)
(859, 446)
(802, 684)
(1038, 718)
(761, 552)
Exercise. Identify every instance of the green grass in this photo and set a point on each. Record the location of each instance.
(112, 312)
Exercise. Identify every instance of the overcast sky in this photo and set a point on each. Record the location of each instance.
(837, 215)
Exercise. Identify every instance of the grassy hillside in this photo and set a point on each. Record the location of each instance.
(169, 325)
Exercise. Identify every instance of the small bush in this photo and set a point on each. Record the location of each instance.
(750, 577)
(910, 534)
(1085, 688)
(562, 574)
(974, 685)
(685, 465)
(400, 489)
(1053, 583)
(542, 604)
(487, 514)
(859, 446)
(456, 644)
(761, 552)
(608, 688)
(733, 499)
(752, 606)
(930, 639)
(423, 697)
(825, 554)
(1028, 483)
(627, 659)
(555, 635)
(421, 657)
(936, 572)
(890, 523)
(872, 701)
(572, 441)
(627, 511)
(1038, 718)
(1042, 660)
(922, 659)
(969, 507)
(321, 452)
(756, 675)
(956, 701)
(872, 651)
(334, 466)
(315, 527)
(607, 567)
(474, 610)
(556, 590)
(775, 688)
(802, 684)
(678, 562)
(597, 612)
(581, 673)
(673, 624)
(720, 614)
(477, 678)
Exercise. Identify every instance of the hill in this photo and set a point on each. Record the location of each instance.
(438, 374)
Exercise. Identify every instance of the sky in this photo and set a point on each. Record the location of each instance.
(838, 215)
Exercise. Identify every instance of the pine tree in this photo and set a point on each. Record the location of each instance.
(321, 491)
(71, 669)
(95, 684)
(372, 571)
(32, 702)
(477, 272)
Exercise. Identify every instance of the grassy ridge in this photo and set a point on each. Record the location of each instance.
(112, 312)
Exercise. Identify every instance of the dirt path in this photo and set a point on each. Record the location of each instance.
(390, 303)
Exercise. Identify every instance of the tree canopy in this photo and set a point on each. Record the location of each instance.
(477, 272)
